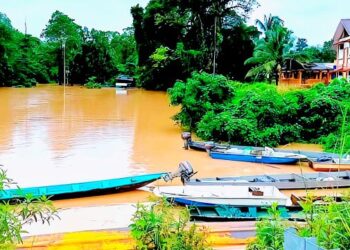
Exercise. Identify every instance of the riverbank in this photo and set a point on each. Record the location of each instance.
(109, 230)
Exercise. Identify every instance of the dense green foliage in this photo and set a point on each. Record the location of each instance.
(169, 40)
(326, 53)
(159, 227)
(20, 57)
(188, 34)
(176, 38)
(26, 60)
(258, 114)
(14, 216)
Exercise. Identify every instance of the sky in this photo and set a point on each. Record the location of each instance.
(315, 20)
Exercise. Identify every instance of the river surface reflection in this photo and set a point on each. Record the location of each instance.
(49, 135)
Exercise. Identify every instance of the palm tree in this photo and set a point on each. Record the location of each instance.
(270, 53)
(268, 23)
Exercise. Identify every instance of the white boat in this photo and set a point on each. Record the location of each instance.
(223, 195)
(121, 85)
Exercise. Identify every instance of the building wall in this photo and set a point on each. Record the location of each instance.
(343, 59)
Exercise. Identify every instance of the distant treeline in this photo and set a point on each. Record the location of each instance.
(169, 40)
(25, 60)
(175, 38)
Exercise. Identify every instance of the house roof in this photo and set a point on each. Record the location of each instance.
(296, 65)
(323, 66)
(344, 25)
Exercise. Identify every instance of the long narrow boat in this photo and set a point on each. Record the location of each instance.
(329, 166)
(231, 213)
(258, 156)
(203, 146)
(83, 188)
(223, 195)
(281, 181)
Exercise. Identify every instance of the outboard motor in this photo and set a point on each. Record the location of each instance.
(209, 146)
(186, 136)
(185, 172)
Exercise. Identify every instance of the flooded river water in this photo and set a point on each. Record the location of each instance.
(49, 135)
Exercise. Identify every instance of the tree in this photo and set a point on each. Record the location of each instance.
(95, 59)
(6, 37)
(63, 31)
(301, 44)
(268, 23)
(5, 20)
(196, 25)
(324, 54)
(237, 46)
(270, 53)
(328, 53)
(123, 52)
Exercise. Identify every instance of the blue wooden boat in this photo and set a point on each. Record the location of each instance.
(232, 213)
(83, 188)
(206, 146)
(267, 156)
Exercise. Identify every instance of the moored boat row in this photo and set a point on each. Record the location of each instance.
(319, 161)
(246, 197)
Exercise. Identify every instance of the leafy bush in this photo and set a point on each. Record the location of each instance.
(269, 232)
(92, 84)
(258, 114)
(159, 227)
(19, 212)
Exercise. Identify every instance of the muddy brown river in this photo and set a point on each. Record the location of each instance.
(49, 135)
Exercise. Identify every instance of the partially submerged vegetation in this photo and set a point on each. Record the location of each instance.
(92, 84)
(258, 114)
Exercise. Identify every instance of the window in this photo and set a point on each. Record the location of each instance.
(341, 51)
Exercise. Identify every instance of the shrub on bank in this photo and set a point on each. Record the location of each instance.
(258, 114)
(92, 84)
(161, 227)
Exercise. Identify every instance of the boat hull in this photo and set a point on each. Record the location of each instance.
(82, 189)
(282, 181)
(253, 158)
(230, 213)
(212, 202)
(312, 155)
(329, 167)
(223, 195)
